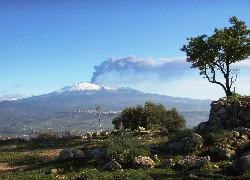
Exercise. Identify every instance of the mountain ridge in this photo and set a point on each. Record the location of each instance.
(74, 107)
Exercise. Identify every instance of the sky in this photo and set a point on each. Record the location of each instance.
(46, 45)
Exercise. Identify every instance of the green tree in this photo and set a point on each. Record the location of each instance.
(149, 114)
(213, 55)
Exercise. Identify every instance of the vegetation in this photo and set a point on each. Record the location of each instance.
(124, 151)
(150, 115)
(214, 55)
(38, 158)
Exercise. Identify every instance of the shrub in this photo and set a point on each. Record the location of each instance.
(124, 151)
(149, 114)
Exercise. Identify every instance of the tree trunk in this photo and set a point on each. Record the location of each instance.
(228, 91)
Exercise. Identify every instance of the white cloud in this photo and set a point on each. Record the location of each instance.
(11, 97)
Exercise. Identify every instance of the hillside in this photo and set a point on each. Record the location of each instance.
(128, 155)
(74, 107)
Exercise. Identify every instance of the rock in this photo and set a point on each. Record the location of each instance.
(94, 153)
(247, 118)
(193, 161)
(234, 134)
(242, 164)
(143, 162)
(69, 154)
(222, 110)
(224, 153)
(243, 131)
(194, 140)
(178, 147)
(240, 143)
(202, 125)
(88, 135)
(77, 153)
(141, 129)
(167, 163)
(112, 166)
(246, 154)
(153, 147)
(187, 143)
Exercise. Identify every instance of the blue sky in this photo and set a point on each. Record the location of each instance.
(48, 44)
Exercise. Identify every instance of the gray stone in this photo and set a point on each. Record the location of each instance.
(193, 161)
(177, 147)
(143, 162)
(194, 140)
(94, 153)
(202, 125)
(247, 118)
(69, 154)
(223, 153)
(242, 164)
(242, 114)
(77, 153)
(246, 154)
(112, 166)
(167, 163)
(223, 110)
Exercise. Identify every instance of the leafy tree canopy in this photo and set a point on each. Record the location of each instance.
(149, 114)
(213, 55)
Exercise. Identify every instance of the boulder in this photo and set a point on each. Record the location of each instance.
(69, 154)
(242, 164)
(177, 147)
(193, 161)
(153, 146)
(143, 162)
(194, 140)
(94, 153)
(167, 163)
(77, 153)
(224, 153)
(112, 166)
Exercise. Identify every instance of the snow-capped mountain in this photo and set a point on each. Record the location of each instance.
(69, 107)
(85, 86)
(90, 88)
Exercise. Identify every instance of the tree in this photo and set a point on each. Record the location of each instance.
(149, 114)
(214, 55)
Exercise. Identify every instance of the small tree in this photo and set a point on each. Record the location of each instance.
(214, 55)
(149, 114)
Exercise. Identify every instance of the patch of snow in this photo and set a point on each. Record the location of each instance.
(85, 86)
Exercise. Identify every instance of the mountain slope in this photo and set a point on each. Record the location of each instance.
(74, 107)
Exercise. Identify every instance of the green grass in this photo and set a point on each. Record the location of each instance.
(30, 159)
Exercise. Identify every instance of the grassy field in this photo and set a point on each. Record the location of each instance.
(38, 159)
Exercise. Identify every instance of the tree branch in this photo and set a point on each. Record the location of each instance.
(213, 80)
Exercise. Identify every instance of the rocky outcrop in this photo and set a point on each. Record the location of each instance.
(193, 141)
(242, 164)
(69, 154)
(143, 162)
(193, 161)
(236, 139)
(229, 114)
(223, 153)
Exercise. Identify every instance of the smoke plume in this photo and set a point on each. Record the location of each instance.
(132, 67)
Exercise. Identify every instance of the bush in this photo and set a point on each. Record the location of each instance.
(211, 135)
(153, 127)
(124, 151)
(147, 115)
